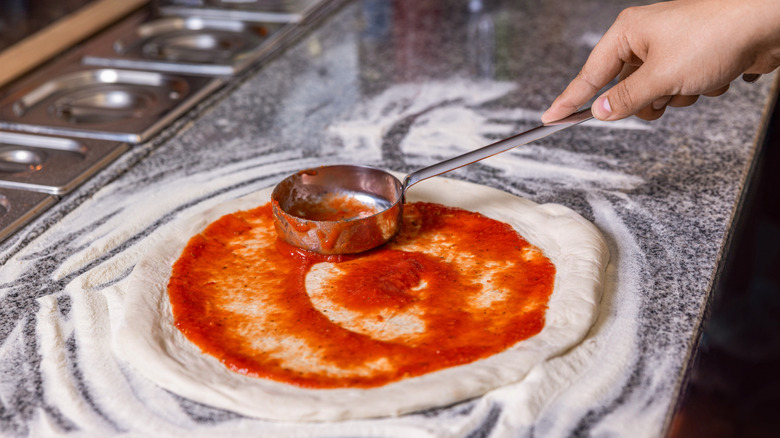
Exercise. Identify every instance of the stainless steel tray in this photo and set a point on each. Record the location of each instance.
(101, 103)
(192, 45)
(269, 11)
(52, 164)
(18, 207)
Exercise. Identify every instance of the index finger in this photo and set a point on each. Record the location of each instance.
(602, 65)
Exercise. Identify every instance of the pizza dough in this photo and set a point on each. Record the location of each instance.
(150, 342)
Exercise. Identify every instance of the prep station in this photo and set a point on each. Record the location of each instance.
(179, 106)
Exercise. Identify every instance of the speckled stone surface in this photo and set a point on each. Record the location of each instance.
(397, 85)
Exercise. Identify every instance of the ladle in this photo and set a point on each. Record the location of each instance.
(346, 209)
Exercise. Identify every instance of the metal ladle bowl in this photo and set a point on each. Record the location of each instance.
(345, 209)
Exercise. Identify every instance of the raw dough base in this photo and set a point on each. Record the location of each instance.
(150, 342)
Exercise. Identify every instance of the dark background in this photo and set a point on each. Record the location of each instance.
(734, 385)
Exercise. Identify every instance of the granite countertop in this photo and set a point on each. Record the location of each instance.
(398, 85)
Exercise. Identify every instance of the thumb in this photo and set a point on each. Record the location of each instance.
(630, 95)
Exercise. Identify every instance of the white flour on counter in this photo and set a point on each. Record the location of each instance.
(450, 118)
(365, 130)
(88, 391)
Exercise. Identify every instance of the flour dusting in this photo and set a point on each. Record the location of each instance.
(102, 240)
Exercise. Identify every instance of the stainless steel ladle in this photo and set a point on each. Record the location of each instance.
(346, 209)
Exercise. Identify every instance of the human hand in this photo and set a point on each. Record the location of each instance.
(670, 53)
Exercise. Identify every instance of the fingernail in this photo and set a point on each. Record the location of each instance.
(603, 104)
(750, 77)
(661, 102)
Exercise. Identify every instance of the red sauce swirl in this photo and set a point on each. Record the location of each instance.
(451, 288)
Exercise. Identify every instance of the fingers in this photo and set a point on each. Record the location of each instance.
(717, 92)
(628, 70)
(657, 108)
(681, 101)
(630, 96)
(579, 91)
(600, 68)
(564, 104)
(662, 56)
(643, 92)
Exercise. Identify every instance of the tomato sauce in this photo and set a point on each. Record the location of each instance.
(332, 207)
(451, 288)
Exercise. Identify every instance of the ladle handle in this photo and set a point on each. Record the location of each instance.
(496, 148)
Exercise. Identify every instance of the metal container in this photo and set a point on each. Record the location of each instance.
(101, 103)
(367, 203)
(52, 165)
(191, 45)
(269, 11)
(18, 207)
